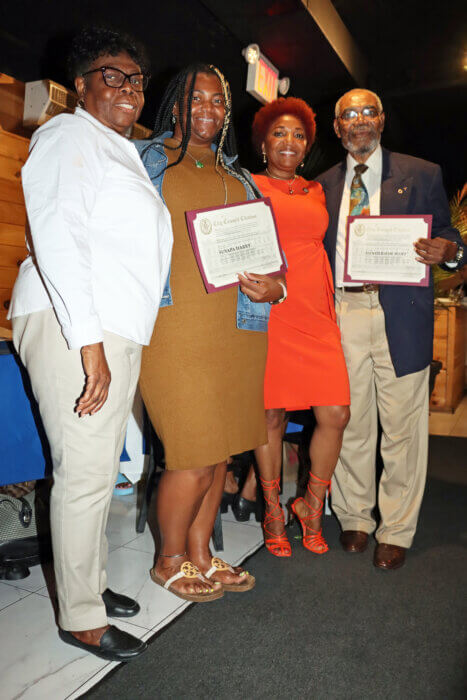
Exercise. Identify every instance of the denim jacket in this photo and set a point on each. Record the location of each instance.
(251, 316)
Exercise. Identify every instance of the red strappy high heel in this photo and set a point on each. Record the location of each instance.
(278, 545)
(315, 542)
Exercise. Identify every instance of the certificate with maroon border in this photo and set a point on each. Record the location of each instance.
(379, 250)
(234, 239)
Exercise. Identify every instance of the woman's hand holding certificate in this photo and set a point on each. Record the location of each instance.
(262, 288)
(229, 240)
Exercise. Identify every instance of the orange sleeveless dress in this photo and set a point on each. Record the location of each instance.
(305, 363)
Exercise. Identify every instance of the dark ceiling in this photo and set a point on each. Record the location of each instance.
(414, 49)
(417, 50)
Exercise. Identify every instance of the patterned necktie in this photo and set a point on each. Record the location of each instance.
(359, 202)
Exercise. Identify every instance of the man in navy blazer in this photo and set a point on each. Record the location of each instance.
(387, 334)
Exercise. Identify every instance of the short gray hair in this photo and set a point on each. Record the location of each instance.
(379, 104)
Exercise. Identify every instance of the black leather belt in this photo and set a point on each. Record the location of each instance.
(368, 288)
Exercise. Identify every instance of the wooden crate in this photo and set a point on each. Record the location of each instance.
(449, 349)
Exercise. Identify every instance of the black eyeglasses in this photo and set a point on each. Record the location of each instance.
(349, 115)
(115, 78)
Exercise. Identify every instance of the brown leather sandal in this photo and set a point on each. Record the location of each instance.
(188, 570)
(247, 583)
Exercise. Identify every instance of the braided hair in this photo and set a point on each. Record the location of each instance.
(177, 94)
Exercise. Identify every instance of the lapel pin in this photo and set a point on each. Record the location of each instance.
(305, 189)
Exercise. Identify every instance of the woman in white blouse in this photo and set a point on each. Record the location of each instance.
(84, 304)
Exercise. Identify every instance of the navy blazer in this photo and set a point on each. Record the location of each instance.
(409, 186)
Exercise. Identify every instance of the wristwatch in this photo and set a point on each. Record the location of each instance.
(283, 297)
(457, 259)
(459, 255)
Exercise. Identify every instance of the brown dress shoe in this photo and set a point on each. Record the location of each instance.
(354, 540)
(389, 556)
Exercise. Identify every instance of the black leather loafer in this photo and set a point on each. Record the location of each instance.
(115, 645)
(118, 605)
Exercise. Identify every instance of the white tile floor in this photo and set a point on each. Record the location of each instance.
(35, 664)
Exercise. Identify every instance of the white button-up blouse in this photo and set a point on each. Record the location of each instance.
(101, 234)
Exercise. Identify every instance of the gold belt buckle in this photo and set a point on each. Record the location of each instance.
(369, 288)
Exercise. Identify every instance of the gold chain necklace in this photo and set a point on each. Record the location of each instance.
(288, 182)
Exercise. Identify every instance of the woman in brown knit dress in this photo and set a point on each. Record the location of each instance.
(201, 377)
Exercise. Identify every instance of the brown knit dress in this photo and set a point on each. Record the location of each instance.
(201, 377)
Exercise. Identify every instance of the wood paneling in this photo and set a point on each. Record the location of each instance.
(11, 191)
(12, 105)
(13, 153)
(12, 235)
(12, 213)
(8, 277)
(10, 168)
(14, 146)
(5, 326)
(440, 350)
(12, 255)
(441, 323)
(449, 349)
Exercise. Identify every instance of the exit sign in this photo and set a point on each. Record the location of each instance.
(262, 80)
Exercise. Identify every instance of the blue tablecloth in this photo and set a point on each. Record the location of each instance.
(24, 452)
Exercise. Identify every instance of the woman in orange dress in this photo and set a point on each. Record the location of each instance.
(305, 363)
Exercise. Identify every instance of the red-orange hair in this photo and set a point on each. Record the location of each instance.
(283, 105)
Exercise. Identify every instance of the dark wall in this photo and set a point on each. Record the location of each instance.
(34, 40)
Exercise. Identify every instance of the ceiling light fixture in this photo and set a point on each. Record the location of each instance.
(252, 53)
(284, 85)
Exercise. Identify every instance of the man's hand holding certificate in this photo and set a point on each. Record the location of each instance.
(380, 249)
(229, 240)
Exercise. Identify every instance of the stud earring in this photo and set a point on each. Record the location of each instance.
(174, 119)
(265, 160)
(302, 164)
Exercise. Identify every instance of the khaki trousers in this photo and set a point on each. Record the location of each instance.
(85, 453)
(402, 406)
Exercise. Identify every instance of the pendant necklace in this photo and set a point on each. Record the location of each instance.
(199, 163)
(288, 182)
